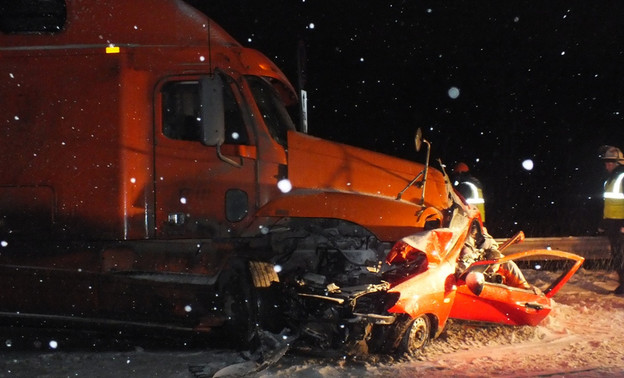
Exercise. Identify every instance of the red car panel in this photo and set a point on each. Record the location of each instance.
(505, 304)
(430, 286)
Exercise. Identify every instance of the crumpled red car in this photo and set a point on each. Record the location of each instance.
(434, 291)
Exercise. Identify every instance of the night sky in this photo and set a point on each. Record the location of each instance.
(537, 80)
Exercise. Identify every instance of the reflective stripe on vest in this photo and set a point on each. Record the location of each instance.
(476, 195)
(476, 198)
(614, 198)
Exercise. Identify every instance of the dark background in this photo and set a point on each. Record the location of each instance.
(537, 80)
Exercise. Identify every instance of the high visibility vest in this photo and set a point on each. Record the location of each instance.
(474, 196)
(614, 197)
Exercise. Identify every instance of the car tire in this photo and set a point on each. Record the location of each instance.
(416, 336)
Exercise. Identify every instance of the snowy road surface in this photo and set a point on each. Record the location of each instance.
(582, 337)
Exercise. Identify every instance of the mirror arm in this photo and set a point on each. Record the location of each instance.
(422, 198)
(408, 185)
(227, 159)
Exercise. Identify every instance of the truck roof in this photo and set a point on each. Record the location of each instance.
(87, 24)
(113, 22)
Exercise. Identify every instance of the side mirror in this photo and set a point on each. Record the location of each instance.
(418, 140)
(212, 114)
(475, 282)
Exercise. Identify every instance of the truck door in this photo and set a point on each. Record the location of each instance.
(202, 190)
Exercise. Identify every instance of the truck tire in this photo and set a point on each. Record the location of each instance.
(235, 288)
(251, 303)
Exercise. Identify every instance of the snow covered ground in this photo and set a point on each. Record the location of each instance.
(582, 337)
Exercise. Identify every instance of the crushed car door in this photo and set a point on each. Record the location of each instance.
(484, 294)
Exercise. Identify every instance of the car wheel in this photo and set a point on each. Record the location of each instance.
(416, 336)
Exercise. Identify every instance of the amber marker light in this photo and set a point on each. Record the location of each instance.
(112, 49)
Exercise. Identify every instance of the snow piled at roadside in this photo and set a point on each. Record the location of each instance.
(581, 337)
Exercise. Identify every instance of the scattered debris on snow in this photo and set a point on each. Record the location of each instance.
(576, 339)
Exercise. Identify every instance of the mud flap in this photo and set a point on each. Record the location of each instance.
(262, 274)
(267, 299)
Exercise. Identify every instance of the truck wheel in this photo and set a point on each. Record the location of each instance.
(251, 303)
(416, 336)
(236, 291)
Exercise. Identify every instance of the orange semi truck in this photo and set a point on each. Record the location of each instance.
(142, 148)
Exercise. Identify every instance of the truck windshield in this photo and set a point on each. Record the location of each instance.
(273, 110)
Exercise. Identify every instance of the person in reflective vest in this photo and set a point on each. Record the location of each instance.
(469, 187)
(613, 213)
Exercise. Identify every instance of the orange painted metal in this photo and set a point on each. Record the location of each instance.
(89, 160)
(95, 196)
(431, 291)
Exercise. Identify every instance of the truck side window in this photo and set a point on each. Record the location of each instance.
(182, 113)
(181, 110)
(273, 110)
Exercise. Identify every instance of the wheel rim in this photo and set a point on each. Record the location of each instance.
(418, 335)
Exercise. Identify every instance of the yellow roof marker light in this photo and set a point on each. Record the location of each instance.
(112, 49)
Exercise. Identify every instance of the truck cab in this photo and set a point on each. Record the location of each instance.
(143, 159)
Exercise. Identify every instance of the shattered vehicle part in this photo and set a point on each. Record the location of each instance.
(408, 300)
